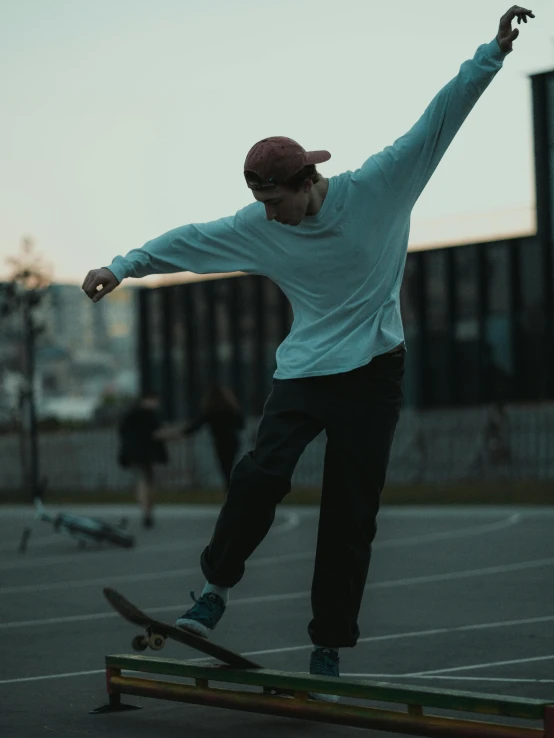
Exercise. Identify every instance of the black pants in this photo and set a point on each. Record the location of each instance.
(359, 411)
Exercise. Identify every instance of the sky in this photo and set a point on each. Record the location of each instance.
(123, 119)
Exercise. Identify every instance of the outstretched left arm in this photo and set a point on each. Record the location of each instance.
(409, 163)
(506, 36)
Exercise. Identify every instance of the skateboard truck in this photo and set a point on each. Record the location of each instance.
(155, 641)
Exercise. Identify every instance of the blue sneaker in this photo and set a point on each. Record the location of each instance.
(324, 662)
(203, 616)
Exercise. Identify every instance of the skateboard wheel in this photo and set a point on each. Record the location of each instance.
(156, 642)
(139, 643)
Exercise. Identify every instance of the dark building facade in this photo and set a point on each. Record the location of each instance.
(478, 319)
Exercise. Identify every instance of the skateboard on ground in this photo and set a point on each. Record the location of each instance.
(157, 632)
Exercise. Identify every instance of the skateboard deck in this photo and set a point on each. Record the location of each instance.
(157, 632)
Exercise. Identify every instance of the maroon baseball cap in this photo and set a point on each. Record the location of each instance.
(275, 160)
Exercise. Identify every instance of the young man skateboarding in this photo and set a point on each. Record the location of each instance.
(337, 249)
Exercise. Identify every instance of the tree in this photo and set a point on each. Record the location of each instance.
(30, 277)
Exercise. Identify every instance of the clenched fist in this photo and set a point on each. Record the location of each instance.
(99, 278)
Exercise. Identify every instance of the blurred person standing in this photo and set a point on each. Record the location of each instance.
(139, 449)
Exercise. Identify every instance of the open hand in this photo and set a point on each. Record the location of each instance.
(505, 35)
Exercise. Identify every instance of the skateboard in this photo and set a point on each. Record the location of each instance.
(157, 632)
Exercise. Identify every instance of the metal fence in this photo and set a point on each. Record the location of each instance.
(438, 446)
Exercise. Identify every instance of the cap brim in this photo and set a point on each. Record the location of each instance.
(317, 157)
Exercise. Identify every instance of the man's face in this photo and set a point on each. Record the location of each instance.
(283, 204)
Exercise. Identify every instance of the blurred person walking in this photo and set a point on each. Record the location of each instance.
(220, 411)
(337, 248)
(140, 450)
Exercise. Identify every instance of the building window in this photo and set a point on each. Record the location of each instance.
(467, 347)
(531, 321)
(498, 354)
(550, 143)
(436, 366)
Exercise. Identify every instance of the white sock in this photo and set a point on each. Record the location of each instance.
(329, 647)
(223, 592)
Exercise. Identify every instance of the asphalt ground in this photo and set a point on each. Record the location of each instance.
(457, 598)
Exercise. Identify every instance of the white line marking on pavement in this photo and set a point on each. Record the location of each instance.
(309, 646)
(262, 562)
(152, 610)
(419, 633)
(291, 520)
(452, 678)
(471, 667)
(286, 558)
(42, 540)
(45, 677)
(451, 534)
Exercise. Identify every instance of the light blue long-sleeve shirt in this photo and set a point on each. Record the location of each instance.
(342, 268)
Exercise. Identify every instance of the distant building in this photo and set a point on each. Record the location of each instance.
(73, 322)
(83, 351)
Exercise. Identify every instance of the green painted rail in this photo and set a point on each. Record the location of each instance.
(414, 698)
(489, 704)
(430, 726)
